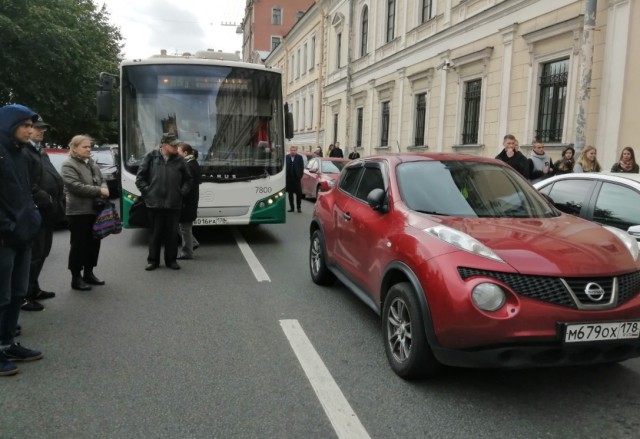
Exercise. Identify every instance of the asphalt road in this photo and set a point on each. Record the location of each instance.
(203, 353)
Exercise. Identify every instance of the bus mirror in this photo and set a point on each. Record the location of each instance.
(103, 103)
(104, 100)
(288, 125)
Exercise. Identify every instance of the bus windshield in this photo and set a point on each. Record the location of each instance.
(232, 117)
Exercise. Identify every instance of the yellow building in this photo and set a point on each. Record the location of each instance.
(457, 75)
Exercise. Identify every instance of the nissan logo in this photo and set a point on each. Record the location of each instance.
(594, 291)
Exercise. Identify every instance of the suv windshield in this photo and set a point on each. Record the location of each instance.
(329, 167)
(469, 189)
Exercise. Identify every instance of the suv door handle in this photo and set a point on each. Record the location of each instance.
(346, 216)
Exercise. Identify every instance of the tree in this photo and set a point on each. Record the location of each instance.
(51, 55)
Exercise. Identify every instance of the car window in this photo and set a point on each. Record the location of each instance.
(468, 189)
(371, 179)
(57, 160)
(329, 167)
(350, 178)
(103, 157)
(617, 206)
(312, 164)
(569, 195)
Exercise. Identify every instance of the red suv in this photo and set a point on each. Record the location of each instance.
(469, 266)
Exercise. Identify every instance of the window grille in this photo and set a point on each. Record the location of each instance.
(359, 124)
(421, 111)
(553, 95)
(384, 125)
(472, 94)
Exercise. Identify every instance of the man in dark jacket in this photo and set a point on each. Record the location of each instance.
(336, 151)
(294, 167)
(163, 180)
(48, 193)
(19, 222)
(514, 158)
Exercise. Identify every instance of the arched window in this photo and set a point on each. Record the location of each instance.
(364, 31)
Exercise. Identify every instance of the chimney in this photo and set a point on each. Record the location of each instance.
(163, 52)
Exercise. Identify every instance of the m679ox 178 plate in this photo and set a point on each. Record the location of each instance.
(603, 331)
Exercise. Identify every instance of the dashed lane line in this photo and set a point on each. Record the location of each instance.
(342, 417)
(258, 271)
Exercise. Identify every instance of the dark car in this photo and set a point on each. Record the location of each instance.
(612, 199)
(105, 158)
(320, 175)
(468, 265)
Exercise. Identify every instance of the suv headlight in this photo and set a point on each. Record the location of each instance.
(462, 241)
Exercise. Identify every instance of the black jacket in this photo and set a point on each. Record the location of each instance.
(162, 183)
(190, 201)
(46, 185)
(336, 152)
(518, 162)
(19, 217)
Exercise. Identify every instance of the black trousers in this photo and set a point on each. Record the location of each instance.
(84, 249)
(40, 249)
(163, 230)
(294, 186)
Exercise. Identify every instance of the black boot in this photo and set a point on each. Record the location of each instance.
(91, 278)
(77, 283)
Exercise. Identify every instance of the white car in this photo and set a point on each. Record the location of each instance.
(611, 199)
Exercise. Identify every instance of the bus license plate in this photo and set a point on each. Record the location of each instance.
(586, 332)
(209, 221)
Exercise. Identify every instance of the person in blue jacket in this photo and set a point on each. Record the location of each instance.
(19, 223)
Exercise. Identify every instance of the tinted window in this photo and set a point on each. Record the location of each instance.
(569, 195)
(617, 206)
(372, 179)
(350, 178)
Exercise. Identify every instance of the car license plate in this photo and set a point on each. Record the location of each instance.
(209, 221)
(603, 331)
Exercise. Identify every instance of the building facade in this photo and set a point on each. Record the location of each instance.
(457, 75)
(265, 23)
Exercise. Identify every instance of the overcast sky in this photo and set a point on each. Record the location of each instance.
(148, 26)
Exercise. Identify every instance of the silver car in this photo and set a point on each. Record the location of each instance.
(611, 199)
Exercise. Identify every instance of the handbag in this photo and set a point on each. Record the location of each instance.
(138, 214)
(107, 222)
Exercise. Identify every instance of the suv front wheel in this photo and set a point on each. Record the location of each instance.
(405, 341)
(320, 274)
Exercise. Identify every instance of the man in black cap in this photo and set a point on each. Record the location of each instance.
(164, 179)
(48, 193)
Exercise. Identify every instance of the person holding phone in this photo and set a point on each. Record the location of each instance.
(540, 165)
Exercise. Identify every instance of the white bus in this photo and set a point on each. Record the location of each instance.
(231, 112)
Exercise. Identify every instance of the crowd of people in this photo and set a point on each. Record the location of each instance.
(540, 166)
(35, 198)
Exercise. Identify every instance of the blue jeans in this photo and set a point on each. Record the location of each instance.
(14, 280)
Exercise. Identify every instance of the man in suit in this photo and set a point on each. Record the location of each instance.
(295, 169)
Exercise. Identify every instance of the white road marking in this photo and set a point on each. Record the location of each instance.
(259, 272)
(344, 420)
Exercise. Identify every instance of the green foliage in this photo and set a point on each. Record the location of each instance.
(51, 55)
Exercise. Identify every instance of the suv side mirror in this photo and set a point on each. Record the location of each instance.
(376, 200)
